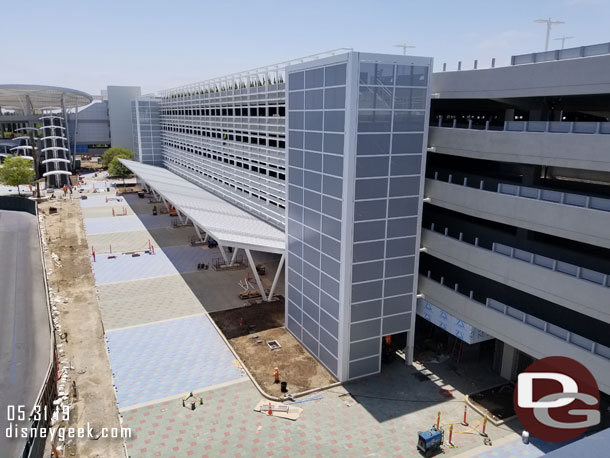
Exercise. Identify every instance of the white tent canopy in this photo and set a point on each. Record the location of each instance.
(228, 224)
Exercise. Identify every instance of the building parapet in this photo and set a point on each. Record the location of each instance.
(561, 54)
(547, 195)
(558, 197)
(538, 260)
(541, 325)
(270, 75)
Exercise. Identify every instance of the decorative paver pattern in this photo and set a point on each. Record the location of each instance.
(185, 258)
(121, 241)
(120, 211)
(146, 301)
(168, 358)
(125, 267)
(102, 200)
(112, 224)
(156, 360)
(341, 424)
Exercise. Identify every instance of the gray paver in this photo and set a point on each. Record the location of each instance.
(380, 416)
(146, 301)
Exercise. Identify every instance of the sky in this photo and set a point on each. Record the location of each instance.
(159, 44)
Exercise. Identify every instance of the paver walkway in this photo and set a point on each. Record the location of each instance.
(167, 358)
(162, 344)
(160, 340)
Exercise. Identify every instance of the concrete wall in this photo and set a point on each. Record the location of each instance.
(567, 221)
(119, 111)
(588, 75)
(576, 294)
(579, 151)
(93, 124)
(519, 335)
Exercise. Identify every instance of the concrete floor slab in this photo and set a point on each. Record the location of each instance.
(145, 301)
(168, 358)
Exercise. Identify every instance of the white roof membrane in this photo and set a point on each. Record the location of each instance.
(228, 224)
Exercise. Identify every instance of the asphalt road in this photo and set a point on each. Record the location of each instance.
(24, 329)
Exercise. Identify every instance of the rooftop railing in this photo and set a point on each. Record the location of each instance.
(561, 54)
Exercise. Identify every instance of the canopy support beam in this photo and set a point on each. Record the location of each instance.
(198, 232)
(223, 253)
(255, 273)
(234, 256)
(276, 278)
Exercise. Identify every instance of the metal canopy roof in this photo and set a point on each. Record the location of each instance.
(226, 223)
(29, 97)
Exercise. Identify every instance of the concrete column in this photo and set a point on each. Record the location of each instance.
(509, 361)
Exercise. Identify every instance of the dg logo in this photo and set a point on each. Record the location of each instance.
(557, 399)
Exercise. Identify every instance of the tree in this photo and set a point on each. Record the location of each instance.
(116, 169)
(113, 152)
(17, 170)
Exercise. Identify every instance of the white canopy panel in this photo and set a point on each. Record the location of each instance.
(55, 148)
(65, 161)
(35, 97)
(228, 224)
(56, 172)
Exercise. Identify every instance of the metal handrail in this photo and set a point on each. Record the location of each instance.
(555, 127)
(518, 254)
(556, 331)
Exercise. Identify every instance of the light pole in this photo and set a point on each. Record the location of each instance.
(549, 23)
(563, 40)
(404, 48)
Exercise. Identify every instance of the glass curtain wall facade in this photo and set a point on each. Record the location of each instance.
(146, 130)
(357, 132)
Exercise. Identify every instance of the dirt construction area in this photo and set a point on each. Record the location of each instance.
(248, 329)
(79, 325)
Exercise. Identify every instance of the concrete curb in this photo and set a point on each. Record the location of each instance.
(252, 379)
(475, 407)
